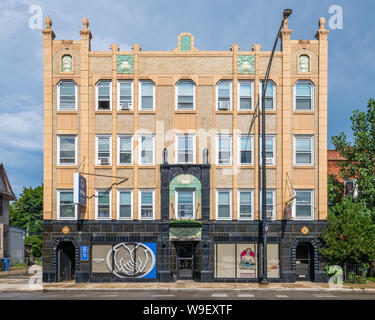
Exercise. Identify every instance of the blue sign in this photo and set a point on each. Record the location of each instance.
(84, 253)
(79, 189)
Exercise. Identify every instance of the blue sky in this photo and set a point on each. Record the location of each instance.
(155, 25)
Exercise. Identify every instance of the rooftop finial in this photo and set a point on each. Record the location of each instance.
(85, 22)
(322, 22)
(285, 24)
(48, 22)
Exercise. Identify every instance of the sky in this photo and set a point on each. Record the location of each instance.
(155, 25)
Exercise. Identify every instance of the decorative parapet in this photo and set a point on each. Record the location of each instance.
(125, 64)
(246, 64)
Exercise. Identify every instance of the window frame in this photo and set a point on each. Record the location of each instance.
(311, 97)
(97, 95)
(274, 88)
(273, 203)
(177, 202)
(251, 149)
(273, 150)
(97, 204)
(140, 150)
(177, 147)
(58, 211)
(230, 94)
(118, 94)
(75, 96)
(239, 95)
(176, 94)
(312, 149)
(97, 163)
(230, 204)
(140, 82)
(140, 203)
(312, 211)
(119, 151)
(230, 150)
(252, 205)
(131, 204)
(58, 150)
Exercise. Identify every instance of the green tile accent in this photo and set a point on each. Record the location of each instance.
(183, 181)
(185, 233)
(246, 64)
(67, 63)
(185, 43)
(125, 64)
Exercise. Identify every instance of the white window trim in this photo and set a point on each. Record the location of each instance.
(273, 201)
(97, 95)
(273, 91)
(58, 150)
(58, 206)
(140, 203)
(239, 203)
(140, 95)
(176, 95)
(312, 96)
(312, 217)
(118, 93)
(239, 150)
(273, 150)
(97, 149)
(176, 148)
(217, 150)
(230, 95)
(230, 204)
(239, 95)
(97, 204)
(131, 204)
(75, 92)
(312, 150)
(118, 149)
(140, 150)
(176, 205)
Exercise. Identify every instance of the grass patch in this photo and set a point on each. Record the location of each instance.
(372, 279)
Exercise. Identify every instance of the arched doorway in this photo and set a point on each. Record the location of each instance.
(65, 254)
(305, 261)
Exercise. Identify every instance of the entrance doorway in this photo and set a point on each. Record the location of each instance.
(65, 261)
(185, 260)
(305, 262)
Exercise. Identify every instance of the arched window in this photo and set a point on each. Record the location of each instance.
(66, 95)
(303, 63)
(270, 95)
(67, 63)
(185, 95)
(303, 95)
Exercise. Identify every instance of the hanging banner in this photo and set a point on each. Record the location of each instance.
(79, 189)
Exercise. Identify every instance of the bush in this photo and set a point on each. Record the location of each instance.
(36, 243)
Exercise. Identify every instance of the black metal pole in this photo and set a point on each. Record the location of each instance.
(264, 278)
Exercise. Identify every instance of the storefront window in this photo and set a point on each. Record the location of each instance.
(225, 260)
(273, 260)
(246, 260)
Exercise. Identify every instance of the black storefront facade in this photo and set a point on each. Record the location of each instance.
(164, 251)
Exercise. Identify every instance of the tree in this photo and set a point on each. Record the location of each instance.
(335, 190)
(360, 156)
(36, 245)
(350, 235)
(27, 212)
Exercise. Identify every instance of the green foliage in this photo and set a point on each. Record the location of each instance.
(36, 242)
(27, 212)
(350, 235)
(335, 190)
(360, 156)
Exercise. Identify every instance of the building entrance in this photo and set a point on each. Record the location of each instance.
(305, 261)
(65, 261)
(185, 260)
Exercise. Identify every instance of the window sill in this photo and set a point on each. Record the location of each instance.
(304, 166)
(66, 166)
(185, 111)
(125, 111)
(70, 112)
(224, 112)
(304, 111)
(103, 111)
(147, 166)
(146, 111)
(246, 166)
(98, 166)
(125, 166)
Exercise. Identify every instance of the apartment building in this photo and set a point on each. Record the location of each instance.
(161, 141)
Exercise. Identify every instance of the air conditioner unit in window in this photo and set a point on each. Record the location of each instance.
(351, 188)
(224, 105)
(269, 161)
(125, 106)
(104, 161)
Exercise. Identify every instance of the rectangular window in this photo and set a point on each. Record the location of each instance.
(66, 150)
(303, 150)
(245, 204)
(147, 95)
(270, 205)
(185, 148)
(303, 95)
(146, 204)
(103, 150)
(304, 209)
(67, 96)
(103, 95)
(270, 150)
(224, 204)
(246, 146)
(103, 204)
(66, 209)
(224, 95)
(185, 93)
(125, 204)
(125, 148)
(224, 149)
(147, 150)
(269, 97)
(125, 95)
(245, 94)
(185, 204)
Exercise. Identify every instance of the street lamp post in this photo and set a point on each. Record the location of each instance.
(264, 280)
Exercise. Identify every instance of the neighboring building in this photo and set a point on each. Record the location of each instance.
(334, 158)
(111, 114)
(11, 239)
